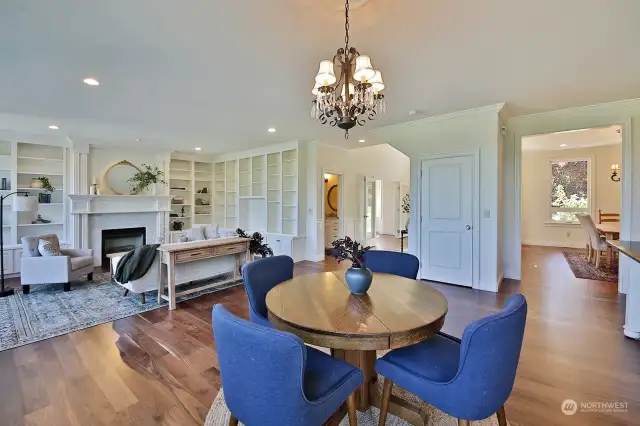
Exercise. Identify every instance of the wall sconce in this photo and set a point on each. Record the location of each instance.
(326, 177)
(615, 169)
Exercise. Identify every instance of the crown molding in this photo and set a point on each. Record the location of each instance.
(625, 103)
(488, 109)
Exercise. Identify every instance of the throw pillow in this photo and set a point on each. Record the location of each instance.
(196, 234)
(49, 248)
(183, 239)
(211, 231)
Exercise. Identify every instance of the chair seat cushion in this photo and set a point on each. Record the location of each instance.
(435, 359)
(325, 374)
(81, 262)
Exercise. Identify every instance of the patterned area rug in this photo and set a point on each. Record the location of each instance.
(219, 415)
(581, 267)
(47, 311)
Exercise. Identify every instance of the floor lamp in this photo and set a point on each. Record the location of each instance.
(20, 204)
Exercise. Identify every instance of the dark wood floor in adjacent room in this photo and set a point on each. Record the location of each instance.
(160, 367)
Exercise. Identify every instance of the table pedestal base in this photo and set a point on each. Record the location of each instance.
(367, 395)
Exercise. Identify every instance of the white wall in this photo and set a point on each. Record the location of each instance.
(536, 183)
(467, 131)
(101, 158)
(390, 208)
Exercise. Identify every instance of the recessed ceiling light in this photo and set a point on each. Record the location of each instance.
(198, 149)
(362, 141)
(91, 81)
(54, 127)
(138, 139)
(563, 145)
(271, 130)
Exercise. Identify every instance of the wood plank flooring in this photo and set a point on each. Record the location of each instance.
(161, 368)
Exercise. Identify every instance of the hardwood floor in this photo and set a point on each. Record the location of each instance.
(160, 367)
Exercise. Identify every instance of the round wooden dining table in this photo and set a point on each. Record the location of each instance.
(394, 313)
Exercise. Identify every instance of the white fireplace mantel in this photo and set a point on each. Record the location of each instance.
(115, 204)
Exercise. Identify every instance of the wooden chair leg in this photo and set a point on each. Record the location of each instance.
(26, 289)
(126, 292)
(463, 422)
(67, 286)
(90, 276)
(589, 252)
(144, 299)
(597, 258)
(351, 409)
(233, 421)
(502, 417)
(384, 405)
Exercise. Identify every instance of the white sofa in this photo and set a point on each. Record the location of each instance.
(37, 269)
(148, 282)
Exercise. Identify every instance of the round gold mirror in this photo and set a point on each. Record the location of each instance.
(117, 175)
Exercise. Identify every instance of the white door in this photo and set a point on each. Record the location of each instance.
(370, 210)
(446, 235)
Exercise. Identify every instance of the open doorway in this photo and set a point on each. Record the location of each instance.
(571, 200)
(332, 207)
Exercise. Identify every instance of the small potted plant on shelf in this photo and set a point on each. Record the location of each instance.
(257, 246)
(358, 277)
(45, 197)
(146, 177)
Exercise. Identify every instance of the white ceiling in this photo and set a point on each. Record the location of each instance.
(573, 139)
(218, 73)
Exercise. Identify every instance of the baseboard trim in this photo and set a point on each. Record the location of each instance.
(316, 258)
(560, 244)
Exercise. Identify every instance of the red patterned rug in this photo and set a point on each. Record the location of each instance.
(581, 267)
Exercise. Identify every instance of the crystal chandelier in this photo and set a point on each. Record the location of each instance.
(360, 86)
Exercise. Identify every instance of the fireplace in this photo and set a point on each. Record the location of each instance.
(121, 240)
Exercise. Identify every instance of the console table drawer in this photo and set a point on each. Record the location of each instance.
(188, 256)
(235, 248)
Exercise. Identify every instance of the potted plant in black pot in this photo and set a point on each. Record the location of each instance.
(358, 277)
(257, 246)
(45, 197)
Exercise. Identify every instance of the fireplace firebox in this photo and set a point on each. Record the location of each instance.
(121, 240)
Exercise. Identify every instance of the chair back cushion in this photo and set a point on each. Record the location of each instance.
(262, 275)
(589, 227)
(489, 358)
(392, 262)
(30, 244)
(261, 369)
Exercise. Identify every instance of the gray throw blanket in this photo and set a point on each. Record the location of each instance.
(136, 263)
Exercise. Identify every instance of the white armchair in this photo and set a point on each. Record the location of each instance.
(37, 269)
(150, 280)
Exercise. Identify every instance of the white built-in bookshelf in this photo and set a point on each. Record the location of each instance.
(34, 161)
(258, 193)
(194, 183)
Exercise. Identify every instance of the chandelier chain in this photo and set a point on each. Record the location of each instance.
(346, 27)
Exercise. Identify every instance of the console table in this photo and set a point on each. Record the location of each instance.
(199, 251)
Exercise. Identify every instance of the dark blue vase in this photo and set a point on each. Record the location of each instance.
(359, 280)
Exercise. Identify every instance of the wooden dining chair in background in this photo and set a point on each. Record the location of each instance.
(608, 217)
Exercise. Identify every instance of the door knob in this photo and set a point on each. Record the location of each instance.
(468, 227)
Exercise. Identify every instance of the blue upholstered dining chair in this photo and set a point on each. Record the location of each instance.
(392, 262)
(259, 277)
(270, 378)
(470, 378)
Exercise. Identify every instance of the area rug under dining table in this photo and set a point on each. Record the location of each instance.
(219, 413)
(47, 311)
